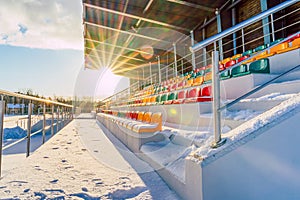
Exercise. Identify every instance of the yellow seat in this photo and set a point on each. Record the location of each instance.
(207, 77)
(294, 45)
(189, 83)
(262, 55)
(225, 60)
(237, 56)
(155, 124)
(198, 80)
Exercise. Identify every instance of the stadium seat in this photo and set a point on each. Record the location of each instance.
(260, 66)
(225, 75)
(295, 44)
(225, 61)
(163, 98)
(198, 80)
(171, 96)
(206, 94)
(235, 57)
(259, 48)
(181, 84)
(180, 97)
(153, 125)
(230, 63)
(193, 95)
(158, 99)
(207, 77)
(243, 58)
(240, 70)
(280, 48)
(189, 82)
(249, 52)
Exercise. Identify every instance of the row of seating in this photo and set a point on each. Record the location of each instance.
(139, 122)
(168, 91)
(192, 95)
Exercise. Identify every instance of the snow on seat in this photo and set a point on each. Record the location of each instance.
(152, 123)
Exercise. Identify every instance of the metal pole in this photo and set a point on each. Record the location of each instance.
(2, 110)
(216, 101)
(193, 53)
(272, 27)
(29, 128)
(233, 16)
(52, 121)
(44, 123)
(219, 26)
(150, 68)
(159, 72)
(243, 40)
(57, 120)
(175, 59)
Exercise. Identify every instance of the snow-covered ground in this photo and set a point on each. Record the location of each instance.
(71, 166)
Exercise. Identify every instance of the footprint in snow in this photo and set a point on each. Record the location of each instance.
(54, 181)
(84, 189)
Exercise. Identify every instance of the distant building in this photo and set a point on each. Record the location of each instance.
(15, 108)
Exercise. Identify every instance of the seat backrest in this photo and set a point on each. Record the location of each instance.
(281, 46)
(243, 58)
(164, 97)
(140, 116)
(182, 94)
(296, 42)
(171, 96)
(225, 60)
(206, 91)
(260, 66)
(157, 98)
(230, 63)
(156, 118)
(235, 57)
(239, 69)
(195, 92)
(249, 52)
(147, 117)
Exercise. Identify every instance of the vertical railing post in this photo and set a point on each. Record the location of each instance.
(243, 40)
(52, 120)
(44, 123)
(150, 71)
(2, 110)
(216, 101)
(159, 72)
(193, 53)
(57, 119)
(175, 59)
(272, 28)
(29, 128)
(219, 27)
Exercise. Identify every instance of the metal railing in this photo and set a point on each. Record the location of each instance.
(218, 141)
(64, 114)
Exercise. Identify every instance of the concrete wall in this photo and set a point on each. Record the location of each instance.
(266, 167)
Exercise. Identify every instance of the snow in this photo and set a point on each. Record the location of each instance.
(270, 97)
(14, 133)
(288, 107)
(243, 115)
(66, 168)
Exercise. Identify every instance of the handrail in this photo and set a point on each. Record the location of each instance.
(3, 92)
(256, 89)
(241, 25)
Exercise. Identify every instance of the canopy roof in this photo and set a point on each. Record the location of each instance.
(128, 34)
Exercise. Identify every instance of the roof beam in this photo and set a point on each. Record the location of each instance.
(125, 63)
(123, 56)
(126, 32)
(135, 17)
(112, 45)
(193, 5)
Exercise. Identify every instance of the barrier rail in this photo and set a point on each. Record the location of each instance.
(64, 109)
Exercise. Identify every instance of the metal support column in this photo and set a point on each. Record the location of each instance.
(272, 28)
(243, 40)
(265, 22)
(44, 123)
(29, 128)
(216, 101)
(233, 16)
(2, 111)
(204, 49)
(57, 120)
(52, 121)
(219, 26)
(150, 71)
(159, 72)
(175, 59)
(193, 53)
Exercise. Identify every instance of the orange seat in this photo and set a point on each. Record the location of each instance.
(294, 45)
(198, 80)
(153, 124)
(207, 77)
(189, 83)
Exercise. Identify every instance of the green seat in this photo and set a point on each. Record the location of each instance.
(249, 52)
(158, 99)
(171, 96)
(260, 48)
(200, 73)
(164, 97)
(225, 75)
(260, 66)
(207, 70)
(240, 70)
(276, 41)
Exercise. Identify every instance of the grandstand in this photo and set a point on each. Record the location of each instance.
(214, 91)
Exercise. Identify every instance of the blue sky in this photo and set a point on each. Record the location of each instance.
(41, 45)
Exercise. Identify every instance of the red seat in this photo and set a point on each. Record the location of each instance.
(243, 58)
(293, 38)
(206, 94)
(221, 67)
(181, 97)
(230, 63)
(193, 95)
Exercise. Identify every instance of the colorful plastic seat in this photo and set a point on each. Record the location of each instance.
(193, 95)
(180, 97)
(230, 63)
(171, 96)
(240, 70)
(260, 66)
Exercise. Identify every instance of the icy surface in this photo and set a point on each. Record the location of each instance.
(282, 110)
(64, 168)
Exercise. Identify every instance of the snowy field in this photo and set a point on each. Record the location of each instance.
(71, 166)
